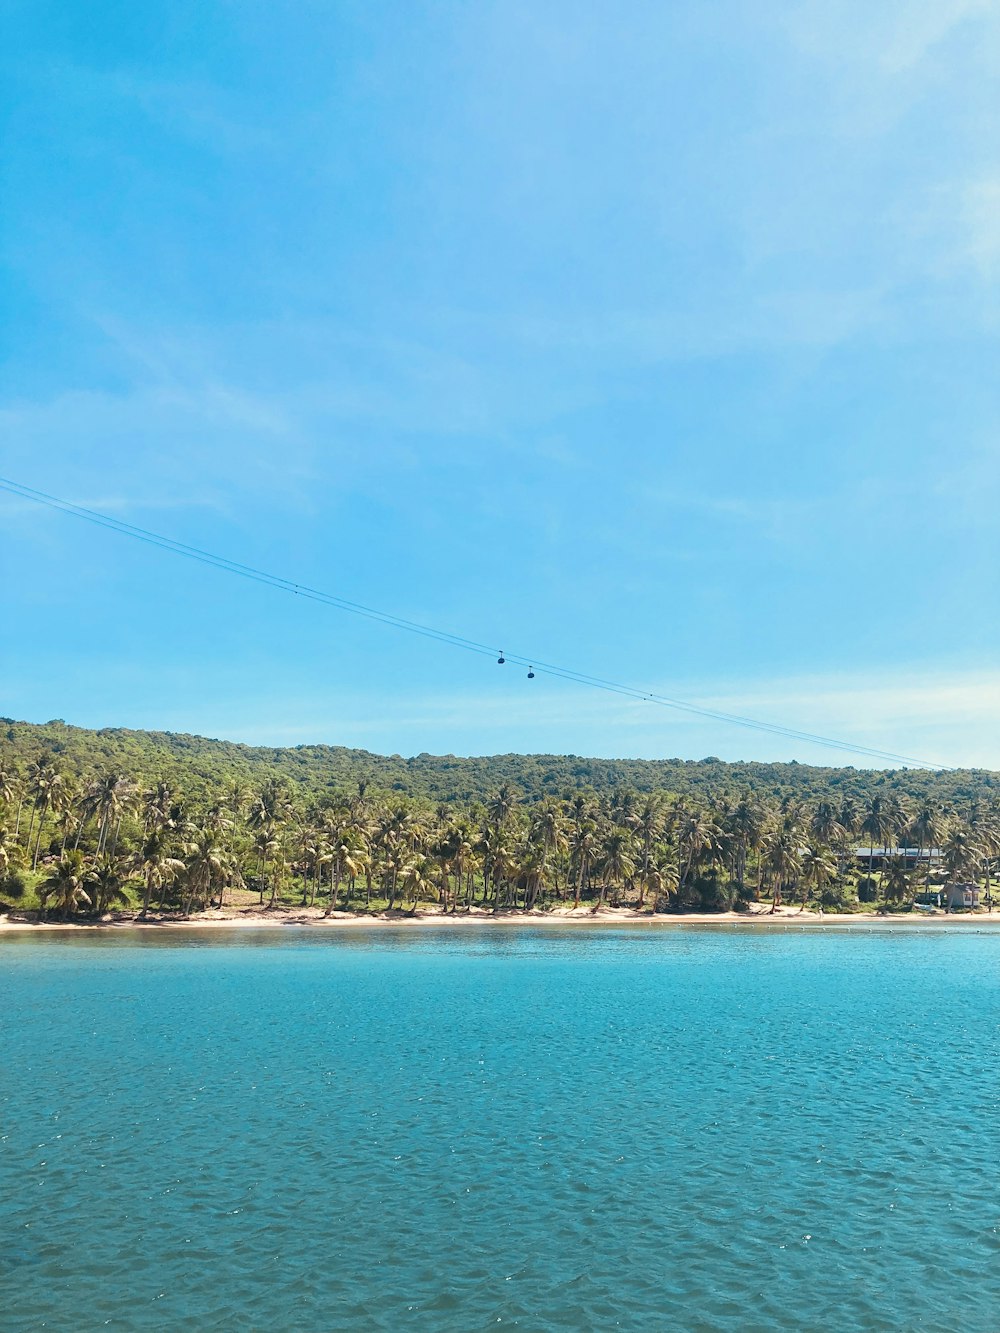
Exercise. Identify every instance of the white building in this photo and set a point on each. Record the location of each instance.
(960, 895)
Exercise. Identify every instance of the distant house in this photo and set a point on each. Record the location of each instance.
(960, 895)
(910, 856)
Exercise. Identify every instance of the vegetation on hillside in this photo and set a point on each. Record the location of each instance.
(96, 821)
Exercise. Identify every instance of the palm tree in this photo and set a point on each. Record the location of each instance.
(817, 871)
(6, 849)
(927, 829)
(897, 809)
(661, 879)
(878, 826)
(848, 816)
(962, 853)
(45, 784)
(580, 810)
(155, 866)
(416, 880)
(546, 836)
(648, 827)
(621, 807)
(783, 861)
(269, 812)
(38, 768)
(236, 795)
(583, 849)
(441, 854)
(10, 787)
(314, 853)
(616, 863)
(696, 835)
(346, 858)
(106, 884)
(506, 866)
(897, 879)
(272, 805)
(68, 814)
(745, 824)
(208, 865)
(156, 803)
(985, 828)
(989, 838)
(462, 858)
(502, 806)
(394, 866)
(824, 826)
(64, 885)
(111, 796)
(266, 847)
(366, 821)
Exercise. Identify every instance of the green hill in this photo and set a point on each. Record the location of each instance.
(198, 764)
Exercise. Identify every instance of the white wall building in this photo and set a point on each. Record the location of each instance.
(960, 895)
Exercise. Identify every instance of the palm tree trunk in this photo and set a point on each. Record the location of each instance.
(334, 888)
(38, 839)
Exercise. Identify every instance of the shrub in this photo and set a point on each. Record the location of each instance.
(867, 890)
(838, 898)
(12, 886)
(689, 897)
(717, 895)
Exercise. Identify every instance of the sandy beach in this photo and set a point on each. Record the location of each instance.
(758, 916)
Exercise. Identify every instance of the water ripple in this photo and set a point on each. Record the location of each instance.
(452, 1131)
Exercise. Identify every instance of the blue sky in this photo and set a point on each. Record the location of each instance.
(657, 340)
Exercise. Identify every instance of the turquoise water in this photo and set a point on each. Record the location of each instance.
(677, 1128)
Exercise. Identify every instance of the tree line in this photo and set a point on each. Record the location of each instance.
(93, 842)
(200, 766)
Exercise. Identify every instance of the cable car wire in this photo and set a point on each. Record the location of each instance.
(229, 566)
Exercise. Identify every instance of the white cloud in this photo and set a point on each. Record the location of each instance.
(894, 36)
(979, 214)
(947, 718)
(897, 696)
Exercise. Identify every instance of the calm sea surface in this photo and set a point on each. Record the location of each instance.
(649, 1129)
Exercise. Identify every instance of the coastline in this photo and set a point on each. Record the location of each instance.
(759, 916)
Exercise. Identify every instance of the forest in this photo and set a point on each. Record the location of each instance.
(121, 821)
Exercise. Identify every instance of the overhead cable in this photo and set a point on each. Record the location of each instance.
(229, 566)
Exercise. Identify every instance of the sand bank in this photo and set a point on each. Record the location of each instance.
(759, 915)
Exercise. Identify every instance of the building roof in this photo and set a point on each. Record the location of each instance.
(921, 853)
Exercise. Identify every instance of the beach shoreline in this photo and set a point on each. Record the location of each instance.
(281, 918)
